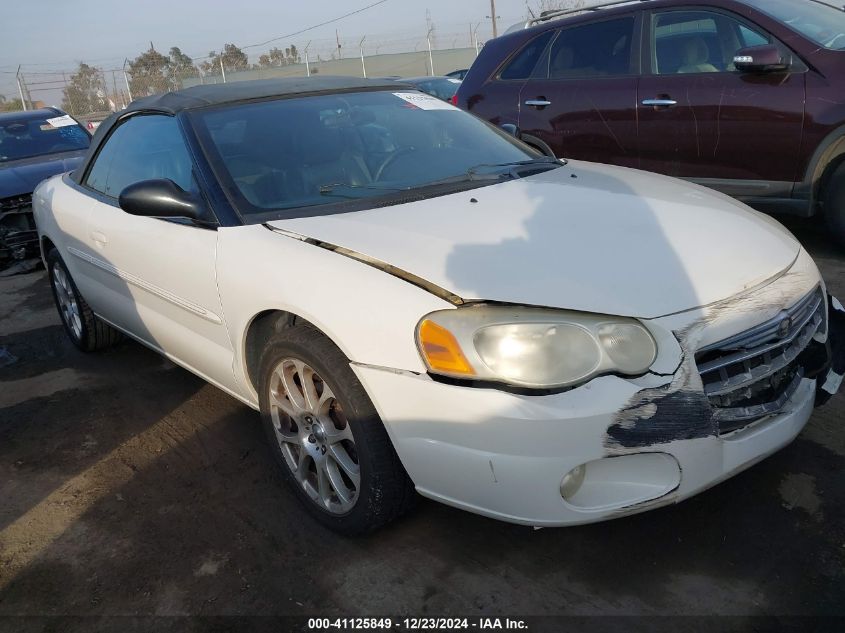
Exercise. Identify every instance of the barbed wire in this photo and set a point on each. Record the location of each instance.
(89, 85)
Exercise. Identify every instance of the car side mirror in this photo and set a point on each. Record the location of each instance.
(511, 129)
(761, 59)
(161, 198)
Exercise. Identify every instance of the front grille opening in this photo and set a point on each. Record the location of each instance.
(753, 375)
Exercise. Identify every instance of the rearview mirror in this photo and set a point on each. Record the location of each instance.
(761, 59)
(161, 198)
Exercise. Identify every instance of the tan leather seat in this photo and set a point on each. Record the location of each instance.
(696, 57)
(563, 65)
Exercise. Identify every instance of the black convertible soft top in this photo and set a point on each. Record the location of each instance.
(237, 91)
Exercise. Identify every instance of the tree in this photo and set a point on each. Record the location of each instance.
(181, 66)
(85, 91)
(279, 57)
(233, 59)
(10, 105)
(149, 74)
(541, 6)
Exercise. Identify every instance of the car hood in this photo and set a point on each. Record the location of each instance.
(22, 176)
(582, 237)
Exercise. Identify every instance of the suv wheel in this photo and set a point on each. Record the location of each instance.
(834, 205)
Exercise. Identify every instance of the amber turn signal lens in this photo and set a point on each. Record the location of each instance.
(441, 350)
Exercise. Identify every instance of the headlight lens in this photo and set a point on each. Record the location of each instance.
(532, 347)
(534, 353)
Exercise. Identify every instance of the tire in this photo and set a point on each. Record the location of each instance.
(84, 329)
(320, 447)
(834, 205)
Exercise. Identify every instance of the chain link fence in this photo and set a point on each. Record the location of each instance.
(90, 92)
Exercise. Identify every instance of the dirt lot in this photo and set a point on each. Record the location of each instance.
(130, 487)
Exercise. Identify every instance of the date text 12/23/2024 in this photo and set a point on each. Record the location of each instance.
(418, 624)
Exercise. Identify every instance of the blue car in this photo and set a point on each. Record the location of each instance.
(34, 145)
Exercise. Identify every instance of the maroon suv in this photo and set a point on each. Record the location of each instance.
(745, 96)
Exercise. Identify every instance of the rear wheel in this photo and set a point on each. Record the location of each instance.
(326, 435)
(834, 205)
(83, 327)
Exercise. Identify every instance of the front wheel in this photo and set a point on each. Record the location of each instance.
(327, 436)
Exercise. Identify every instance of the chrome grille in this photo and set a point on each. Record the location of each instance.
(753, 374)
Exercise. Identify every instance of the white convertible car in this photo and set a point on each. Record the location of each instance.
(415, 300)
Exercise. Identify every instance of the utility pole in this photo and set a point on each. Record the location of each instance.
(475, 38)
(493, 16)
(222, 68)
(20, 88)
(113, 90)
(430, 58)
(126, 79)
(361, 46)
(337, 39)
(307, 65)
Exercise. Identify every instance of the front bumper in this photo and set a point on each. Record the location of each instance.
(830, 382)
(504, 455)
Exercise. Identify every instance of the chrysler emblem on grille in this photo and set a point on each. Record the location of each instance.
(785, 327)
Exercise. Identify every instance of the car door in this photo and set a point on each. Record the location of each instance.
(155, 278)
(497, 100)
(703, 120)
(581, 99)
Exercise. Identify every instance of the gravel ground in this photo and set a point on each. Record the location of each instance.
(130, 487)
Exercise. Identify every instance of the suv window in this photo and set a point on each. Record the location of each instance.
(822, 23)
(601, 49)
(522, 65)
(143, 148)
(685, 42)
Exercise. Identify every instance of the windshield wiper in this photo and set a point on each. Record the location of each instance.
(545, 160)
(330, 189)
(472, 175)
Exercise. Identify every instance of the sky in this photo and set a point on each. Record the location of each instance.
(48, 35)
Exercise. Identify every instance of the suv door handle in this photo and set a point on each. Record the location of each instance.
(538, 103)
(660, 103)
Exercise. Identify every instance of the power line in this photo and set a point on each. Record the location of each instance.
(305, 30)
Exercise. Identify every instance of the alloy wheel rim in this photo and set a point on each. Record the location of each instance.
(66, 298)
(314, 436)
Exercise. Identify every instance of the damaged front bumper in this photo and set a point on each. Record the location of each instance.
(506, 455)
(18, 235)
(632, 444)
(831, 378)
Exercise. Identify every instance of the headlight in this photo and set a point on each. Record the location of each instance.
(532, 347)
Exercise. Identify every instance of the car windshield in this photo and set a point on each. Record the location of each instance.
(325, 152)
(28, 136)
(822, 23)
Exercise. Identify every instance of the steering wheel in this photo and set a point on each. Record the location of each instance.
(387, 162)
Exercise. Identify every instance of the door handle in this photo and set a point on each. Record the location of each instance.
(660, 103)
(99, 238)
(538, 103)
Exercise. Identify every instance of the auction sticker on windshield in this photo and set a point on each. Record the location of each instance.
(61, 121)
(424, 102)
